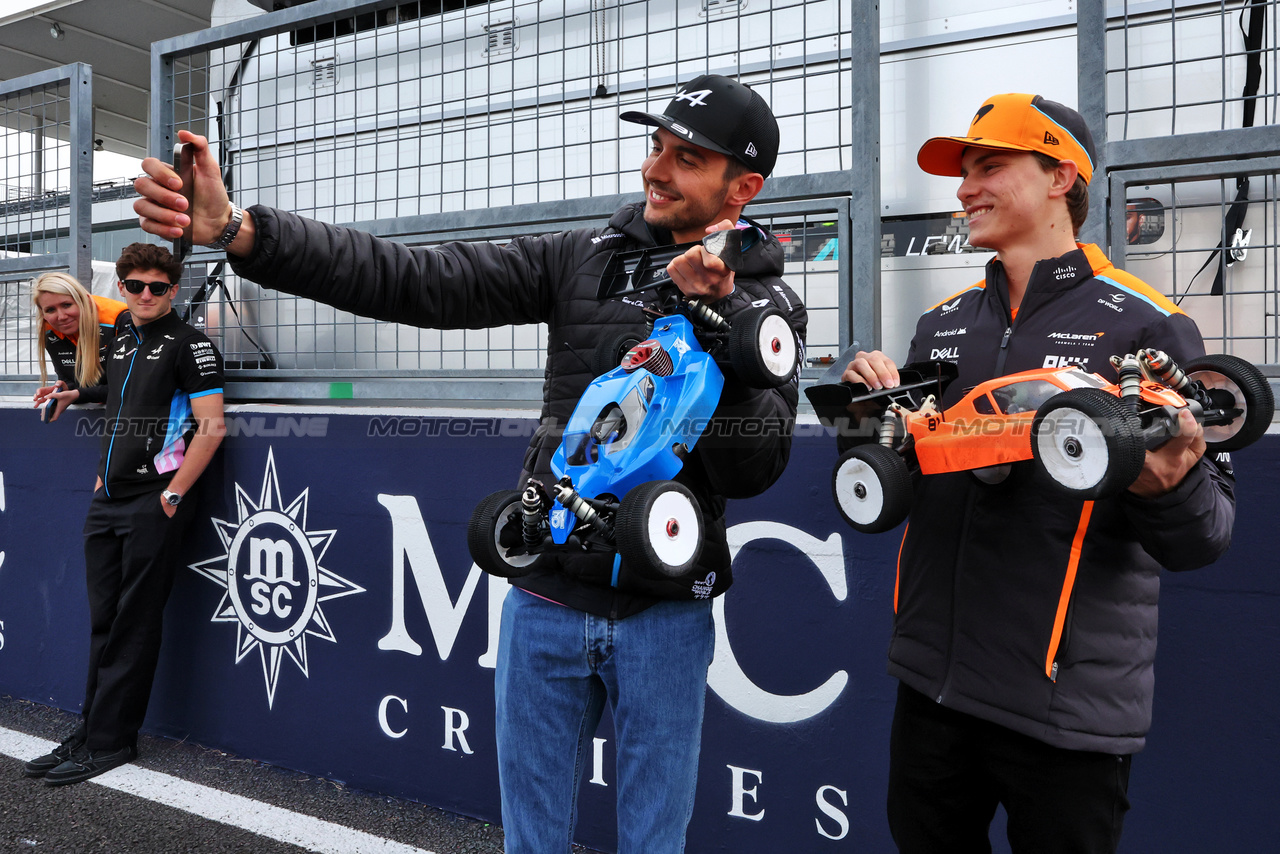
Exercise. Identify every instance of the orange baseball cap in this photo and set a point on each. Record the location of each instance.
(1016, 122)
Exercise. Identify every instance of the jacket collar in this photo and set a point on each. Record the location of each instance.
(1051, 275)
(765, 257)
(161, 324)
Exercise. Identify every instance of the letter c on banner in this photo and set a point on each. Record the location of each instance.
(726, 676)
(382, 715)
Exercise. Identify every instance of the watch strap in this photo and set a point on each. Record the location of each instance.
(233, 228)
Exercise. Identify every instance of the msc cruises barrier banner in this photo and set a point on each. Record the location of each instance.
(329, 619)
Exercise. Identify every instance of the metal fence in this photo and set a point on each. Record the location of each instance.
(433, 121)
(1192, 156)
(46, 172)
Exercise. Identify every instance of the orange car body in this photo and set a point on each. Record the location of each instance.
(991, 424)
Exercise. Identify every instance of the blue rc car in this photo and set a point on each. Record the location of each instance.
(655, 393)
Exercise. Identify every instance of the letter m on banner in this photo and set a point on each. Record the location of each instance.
(411, 548)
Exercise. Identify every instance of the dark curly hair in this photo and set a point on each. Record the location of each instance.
(148, 256)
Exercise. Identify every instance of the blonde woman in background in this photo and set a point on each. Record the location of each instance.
(76, 329)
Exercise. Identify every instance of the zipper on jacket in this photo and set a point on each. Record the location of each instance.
(1004, 350)
(106, 469)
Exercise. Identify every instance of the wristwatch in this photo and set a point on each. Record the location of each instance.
(233, 228)
(171, 498)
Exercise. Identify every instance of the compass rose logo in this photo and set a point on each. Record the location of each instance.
(273, 579)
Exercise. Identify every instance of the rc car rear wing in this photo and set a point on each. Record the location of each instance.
(855, 410)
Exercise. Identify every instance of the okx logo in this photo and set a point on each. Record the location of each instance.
(274, 582)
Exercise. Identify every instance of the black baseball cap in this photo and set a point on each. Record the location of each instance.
(716, 112)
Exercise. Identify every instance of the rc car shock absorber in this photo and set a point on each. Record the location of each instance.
(889, 423)
(1131, 374)
(532, 506)
(713, 320)
(578, 506)
(1165, 369)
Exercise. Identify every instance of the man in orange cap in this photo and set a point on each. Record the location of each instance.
(1025, 622)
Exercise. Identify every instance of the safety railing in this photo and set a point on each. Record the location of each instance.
(1192, 153)
(46, 170)
(433, 121)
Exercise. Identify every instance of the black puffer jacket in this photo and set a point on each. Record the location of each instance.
(1019, 606)
(553, 279)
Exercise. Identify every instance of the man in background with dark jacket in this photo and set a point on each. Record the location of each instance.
(580, 629)
(162, 385)
(1025, 625)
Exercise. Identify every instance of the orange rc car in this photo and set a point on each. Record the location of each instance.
(1082, 434)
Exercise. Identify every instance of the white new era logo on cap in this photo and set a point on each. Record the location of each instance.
(751, 149)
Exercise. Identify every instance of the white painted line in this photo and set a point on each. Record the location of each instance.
(266, 820)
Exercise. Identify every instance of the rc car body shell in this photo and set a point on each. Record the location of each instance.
(660, 414)
(991, 424)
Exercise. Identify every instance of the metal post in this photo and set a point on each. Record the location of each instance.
(1091, 67)
(80, 229)
(163, 135)
(860, 320)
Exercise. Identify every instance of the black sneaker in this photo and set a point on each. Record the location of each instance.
(42, 765)
(85, 763)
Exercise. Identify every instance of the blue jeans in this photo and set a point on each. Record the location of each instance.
(556, 666)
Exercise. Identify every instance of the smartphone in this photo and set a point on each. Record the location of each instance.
(46, 411)
(184, 163)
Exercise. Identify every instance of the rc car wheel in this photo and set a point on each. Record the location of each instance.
(485, 529)
(762, 347)
(872, 488)
(659, 529)
(1234, 383)
(608, 355)
(1088, 442)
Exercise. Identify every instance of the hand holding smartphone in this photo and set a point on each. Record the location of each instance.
(184, 163)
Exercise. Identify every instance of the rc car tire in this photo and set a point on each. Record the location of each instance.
(872, 488)
(762, 347)
(659, 529)
(608, 354)
(1238, 384)
(487, 521)
(1088, 443)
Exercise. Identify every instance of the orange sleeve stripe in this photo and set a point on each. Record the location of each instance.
(980, 286)
(1068, 584)
(1104, 269)
(897, 575)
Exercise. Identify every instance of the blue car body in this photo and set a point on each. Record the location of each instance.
(659, 413)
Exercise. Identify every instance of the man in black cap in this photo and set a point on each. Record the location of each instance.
(581, 629)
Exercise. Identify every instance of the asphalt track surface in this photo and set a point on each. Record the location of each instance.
(180, 797)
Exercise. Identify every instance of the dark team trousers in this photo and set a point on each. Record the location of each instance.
(948, 771)
(131, 558)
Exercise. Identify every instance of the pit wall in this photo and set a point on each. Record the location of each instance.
(383, 678)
